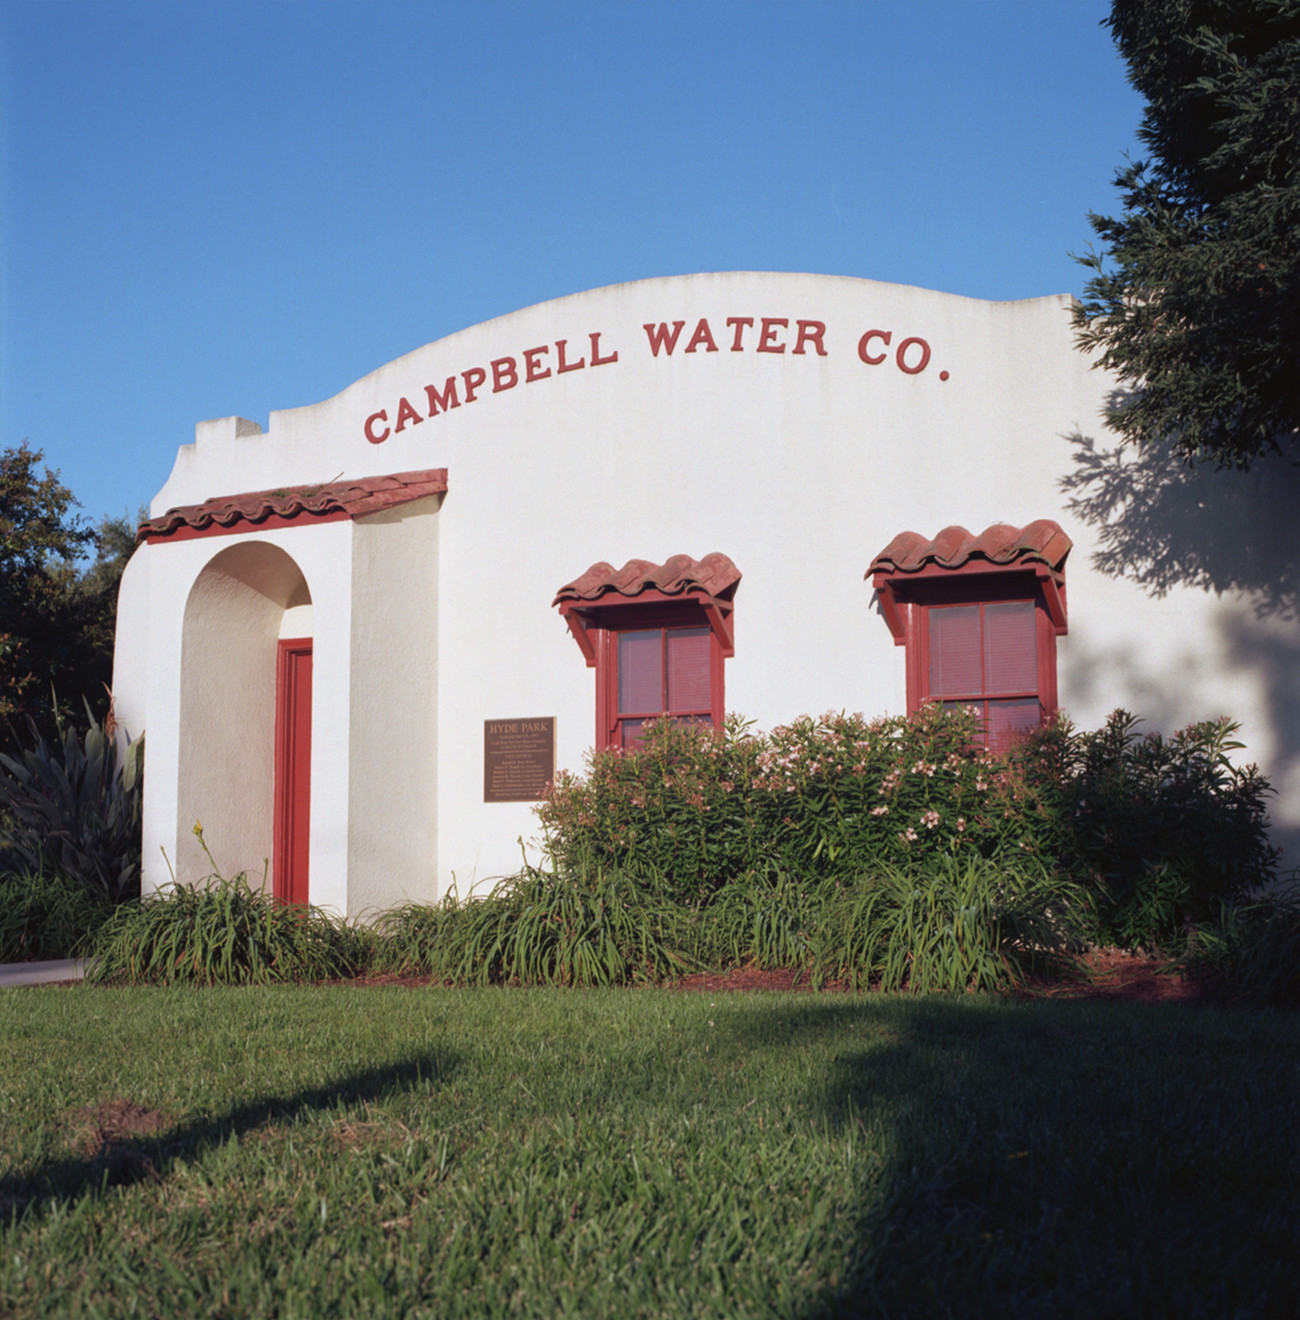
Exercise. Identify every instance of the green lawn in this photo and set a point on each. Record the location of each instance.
(337, 1152)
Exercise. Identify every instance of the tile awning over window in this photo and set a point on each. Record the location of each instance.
(711, 582)
(1040, 548)
(293, 506)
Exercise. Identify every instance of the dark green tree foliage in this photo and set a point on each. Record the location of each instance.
(1195, 300)
(40, 537)
(57, 614)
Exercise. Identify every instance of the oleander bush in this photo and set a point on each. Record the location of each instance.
(1162, 832)
(1146, 837)
(824, 798)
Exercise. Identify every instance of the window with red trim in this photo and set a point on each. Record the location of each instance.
(654, 661)
(979, 617)
(657, 637)
(661, 672)
(984, 655)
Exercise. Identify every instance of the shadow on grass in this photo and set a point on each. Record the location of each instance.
(119, 1158)
(1058, 1159)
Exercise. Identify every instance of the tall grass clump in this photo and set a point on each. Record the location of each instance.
(46, 916)
(222, 932)
(955, 925)
(1251, 955)
(766, 919)
(537, 928)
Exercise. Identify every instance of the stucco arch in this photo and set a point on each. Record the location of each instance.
(234, 615)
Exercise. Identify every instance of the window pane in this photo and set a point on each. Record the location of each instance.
(631, 733)
(640, 671)
(688, 669)
(1009, 721)
(955, 651)
(1010, 647)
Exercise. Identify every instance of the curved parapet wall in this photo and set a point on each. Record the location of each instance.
(792, 423)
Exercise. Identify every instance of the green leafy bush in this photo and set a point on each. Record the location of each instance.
(1156, 833)
(831, 797)
(1162, 832)
(46, 916)
(73, 808)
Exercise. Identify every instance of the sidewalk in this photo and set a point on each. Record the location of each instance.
(40, 973)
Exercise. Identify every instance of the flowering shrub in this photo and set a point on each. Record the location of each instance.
(833, 796)
(1153, 835)
(1161, 831)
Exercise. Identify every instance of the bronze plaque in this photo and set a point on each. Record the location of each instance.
(518, 759)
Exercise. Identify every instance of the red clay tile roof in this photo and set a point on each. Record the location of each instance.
(1041, 542)
(714, 576)
(324, 503)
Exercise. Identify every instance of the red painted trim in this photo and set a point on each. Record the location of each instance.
(572, 615)
(604, 633)
(916, 636)
(244, 525)
(292, 812)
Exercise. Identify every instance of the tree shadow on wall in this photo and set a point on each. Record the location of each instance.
(1162, 524)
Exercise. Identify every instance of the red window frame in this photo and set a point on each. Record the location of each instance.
(616, 623)
(907, 605)
(599, 627)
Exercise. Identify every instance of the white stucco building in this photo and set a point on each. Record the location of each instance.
(354, 637)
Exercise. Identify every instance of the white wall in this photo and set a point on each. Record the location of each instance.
(800, 467)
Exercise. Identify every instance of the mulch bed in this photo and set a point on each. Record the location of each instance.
(1102, 974)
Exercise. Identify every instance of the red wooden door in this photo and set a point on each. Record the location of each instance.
(292, 770)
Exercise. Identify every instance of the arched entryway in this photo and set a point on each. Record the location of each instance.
(245, 720)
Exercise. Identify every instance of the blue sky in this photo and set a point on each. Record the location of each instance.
(224, 208)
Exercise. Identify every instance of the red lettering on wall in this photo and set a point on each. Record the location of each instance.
(532, 367)
(562, 366)
(504, 375)
(596, 359)
(741, 323)
(473, 378)
(767, 337)
(661, 337)
(920, 364)
(811, 332)
(703, 336)
(405, 413)
(441, 402)
(884, 336)
(380, 416)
